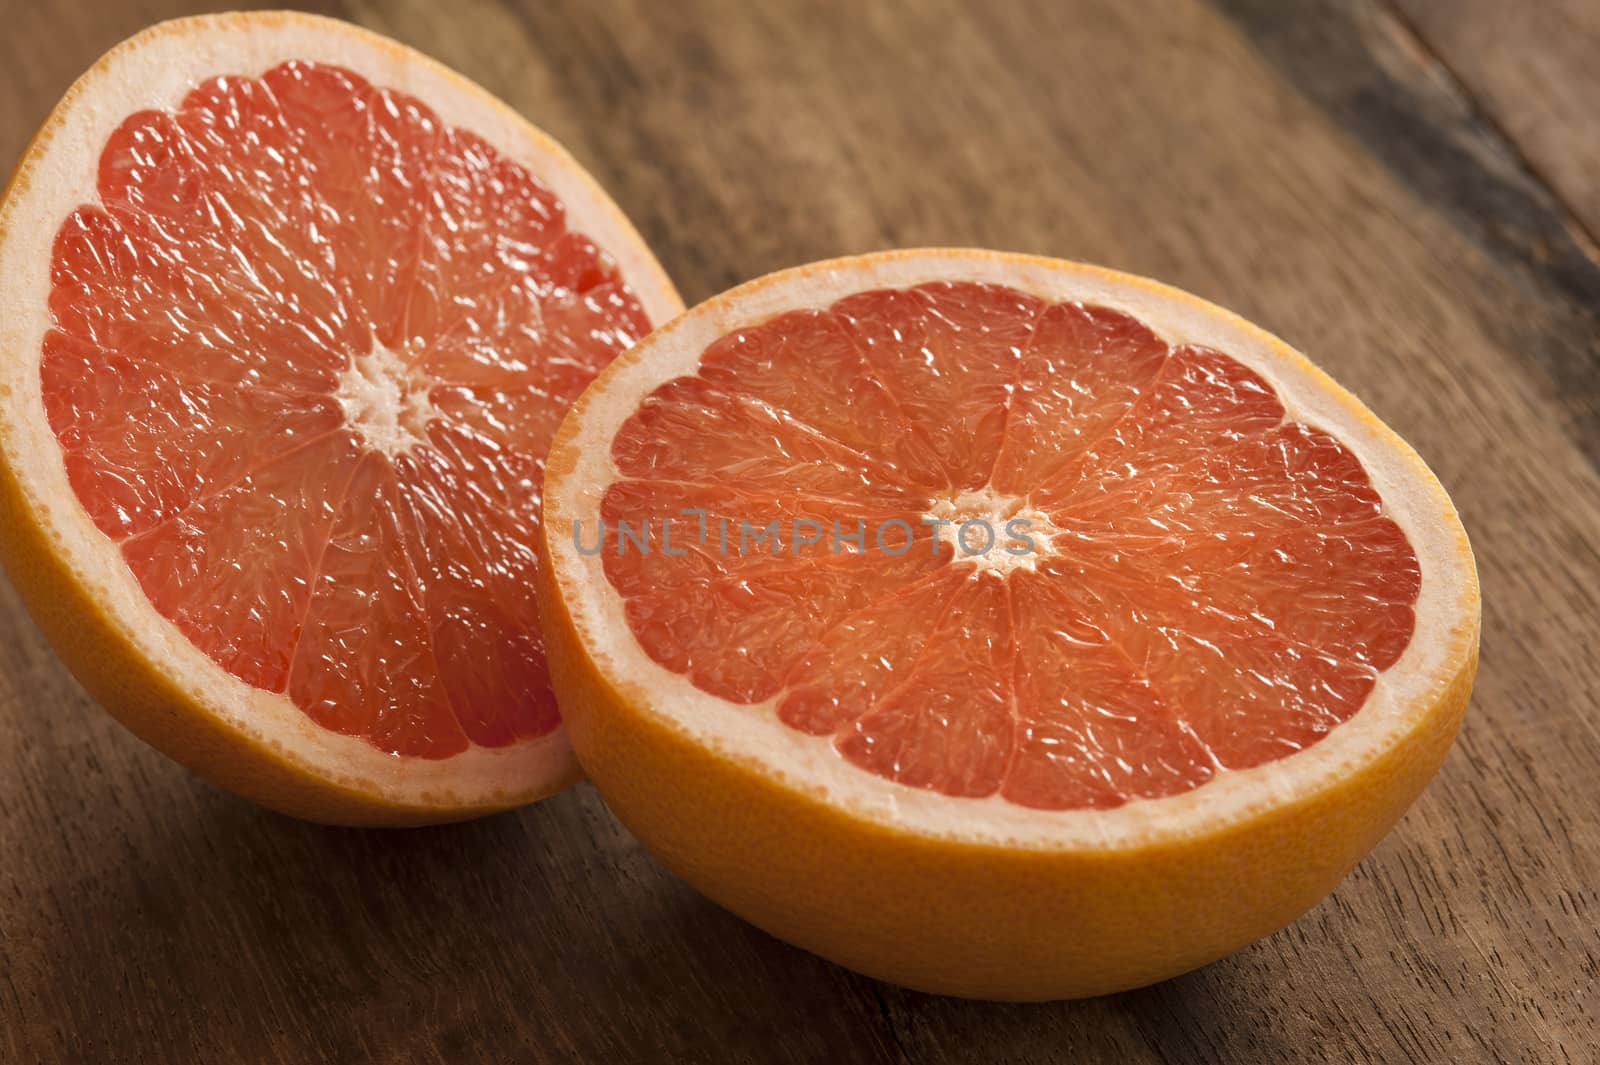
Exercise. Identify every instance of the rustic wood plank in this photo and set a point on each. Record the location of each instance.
(1308, 168)
(1366, 69)
(1530, 69)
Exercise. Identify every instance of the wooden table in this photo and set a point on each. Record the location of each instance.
(1405, 189)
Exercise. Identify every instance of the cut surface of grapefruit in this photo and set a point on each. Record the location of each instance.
(997, 625)
(291, 314)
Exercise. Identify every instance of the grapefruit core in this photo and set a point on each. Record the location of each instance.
(290, 315)
(1175, 632)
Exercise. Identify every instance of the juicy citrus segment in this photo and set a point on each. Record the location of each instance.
(471, 543)
(143, 440)
(1209, 584)
(944, 352)
(275, 522)
(723, 609)
(1076, 378)
(1093, 727)
(308, 351)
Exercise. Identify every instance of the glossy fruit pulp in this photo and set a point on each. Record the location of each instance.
(309, 349)
(1213, 585)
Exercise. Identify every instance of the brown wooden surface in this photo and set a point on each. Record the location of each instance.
(1531, 70)
(1401, 194)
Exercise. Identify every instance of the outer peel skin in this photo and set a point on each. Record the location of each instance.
(980, 913)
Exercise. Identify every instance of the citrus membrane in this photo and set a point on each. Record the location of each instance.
(1201, 582)
(307, 351)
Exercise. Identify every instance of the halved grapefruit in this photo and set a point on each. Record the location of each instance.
(290, 314)
(999, 626)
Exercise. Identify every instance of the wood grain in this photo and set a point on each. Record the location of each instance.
(1530, 70)
(1309, 165)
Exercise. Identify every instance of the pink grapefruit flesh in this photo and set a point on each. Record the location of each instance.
(1213, 585)
(308, 348)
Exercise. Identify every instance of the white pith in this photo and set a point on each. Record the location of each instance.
(154, 71)
(993, 544)
(1446, 625)
(385, 400)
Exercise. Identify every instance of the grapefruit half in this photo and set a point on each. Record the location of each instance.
(999, 626)
(289, 315)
